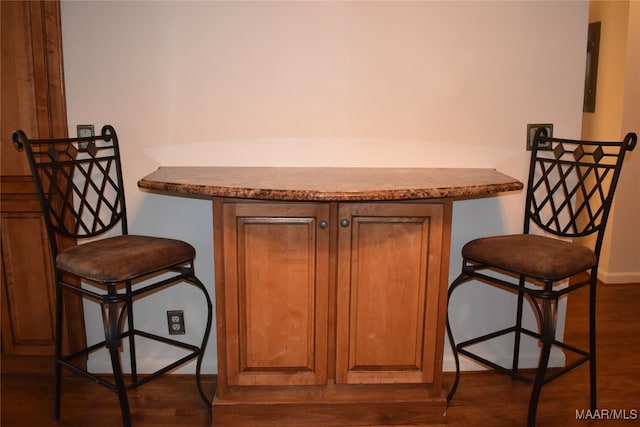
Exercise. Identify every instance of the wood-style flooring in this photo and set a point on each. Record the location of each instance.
(484, 399)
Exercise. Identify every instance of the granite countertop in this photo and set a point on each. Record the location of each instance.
(327, 183)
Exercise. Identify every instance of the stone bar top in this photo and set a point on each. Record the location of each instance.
(327, 183)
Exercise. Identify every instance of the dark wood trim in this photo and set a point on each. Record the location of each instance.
(33, 99)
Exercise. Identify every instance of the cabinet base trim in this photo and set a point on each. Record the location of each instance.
(428, 412)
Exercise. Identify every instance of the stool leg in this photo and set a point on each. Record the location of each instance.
(548, 332)
(122, 392)
(518, 331)
(207, 331)
(112, 332)
(457, 282)
(58, 349)
(456, 359)
(132, 342)
(592, 340)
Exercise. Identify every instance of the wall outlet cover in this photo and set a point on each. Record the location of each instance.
(175, 320)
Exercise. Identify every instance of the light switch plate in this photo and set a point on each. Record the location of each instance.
(85, 130)
(531, 133)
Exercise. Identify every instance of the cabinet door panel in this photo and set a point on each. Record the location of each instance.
(388, 280)
(27, 291)
(276, 283)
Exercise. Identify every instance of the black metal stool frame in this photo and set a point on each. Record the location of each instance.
(561, 207)
(64, 171)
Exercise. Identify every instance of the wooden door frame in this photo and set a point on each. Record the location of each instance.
(37, 106)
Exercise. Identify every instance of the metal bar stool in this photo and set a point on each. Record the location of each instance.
(570, 189)
(80, 188)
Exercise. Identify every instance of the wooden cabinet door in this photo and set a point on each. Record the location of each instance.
(276, 274)
(389, 261)
(27, 282)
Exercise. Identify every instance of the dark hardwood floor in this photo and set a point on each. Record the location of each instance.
(484, 399)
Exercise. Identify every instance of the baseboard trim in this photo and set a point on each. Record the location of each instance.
(618, 278)
(557, 359)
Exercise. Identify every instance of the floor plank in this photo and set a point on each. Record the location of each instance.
(484, 399)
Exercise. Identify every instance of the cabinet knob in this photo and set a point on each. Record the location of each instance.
(344, 223)
(324, 224)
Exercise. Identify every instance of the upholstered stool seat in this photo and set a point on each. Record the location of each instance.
(535, 256)
(126, 257)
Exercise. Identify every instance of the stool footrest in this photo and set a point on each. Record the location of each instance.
(66, 361)
(515, 373)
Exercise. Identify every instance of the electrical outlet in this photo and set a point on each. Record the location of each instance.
(531, 133)
(175, 320)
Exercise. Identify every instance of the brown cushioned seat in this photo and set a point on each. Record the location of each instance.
(120, 258)
(535, 256)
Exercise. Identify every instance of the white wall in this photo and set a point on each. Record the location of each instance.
(618, 112)
(421, 84)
